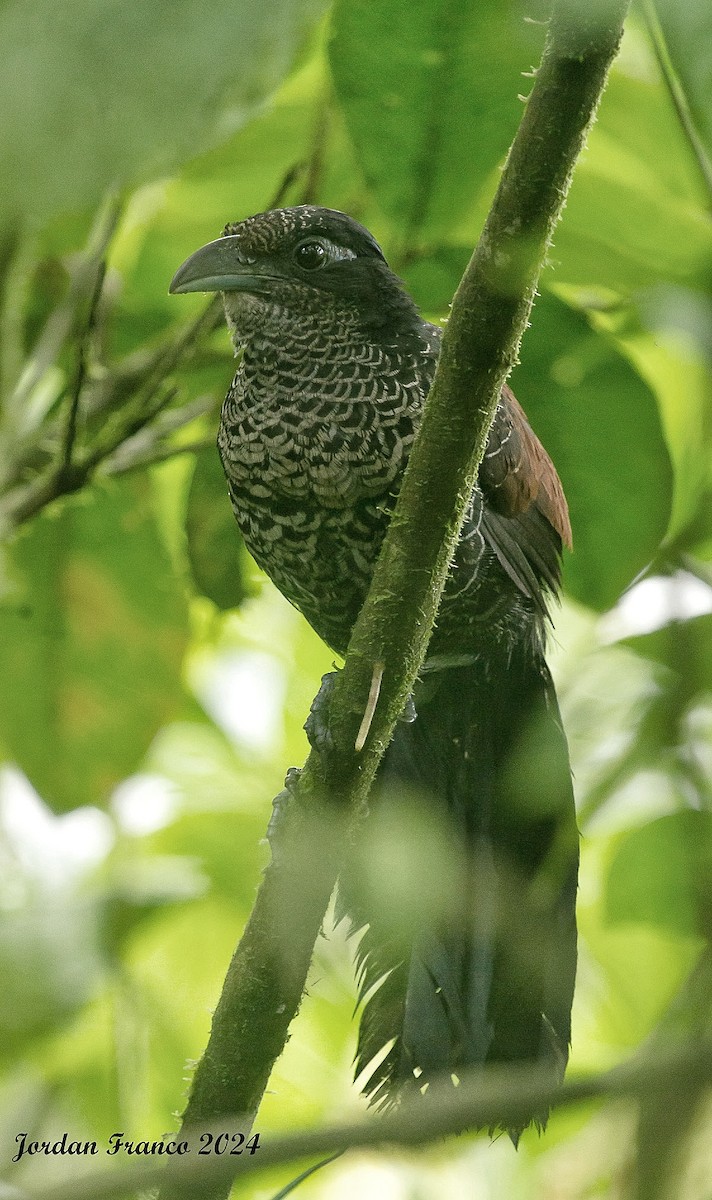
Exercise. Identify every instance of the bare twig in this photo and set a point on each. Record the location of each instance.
(157, 400)
(677, 95)
(70, 432)
(61, 321)
(291, 176)
(315, 167)
(294, 1183)
(122, 463)
(66, 478)
(146, 365)
(483, 1099)
(150, 397)
(150, 444)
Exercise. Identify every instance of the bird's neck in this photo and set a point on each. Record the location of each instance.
(274, 331)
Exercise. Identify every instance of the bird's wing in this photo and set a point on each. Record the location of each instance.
(516, 471)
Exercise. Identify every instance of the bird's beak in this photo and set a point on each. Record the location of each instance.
(221, 266)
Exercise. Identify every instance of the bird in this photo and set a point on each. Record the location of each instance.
(335, 365)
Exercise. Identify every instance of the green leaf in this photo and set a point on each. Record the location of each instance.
(50, 965)
(684, 647)
(600, 423)
(664, 333)
(242, 175)
(141, 888)
(214, 543)
(141, 87)
(661, 875)
(636, 213)
(91, 642)
(429, 93)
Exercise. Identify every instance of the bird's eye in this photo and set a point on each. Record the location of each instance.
(311, 255)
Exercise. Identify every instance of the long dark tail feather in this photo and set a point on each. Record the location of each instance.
(477, 965)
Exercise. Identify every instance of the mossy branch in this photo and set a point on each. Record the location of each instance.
(266, 977)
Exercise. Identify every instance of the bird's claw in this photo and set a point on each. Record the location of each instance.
(316, 726)
(280, 804)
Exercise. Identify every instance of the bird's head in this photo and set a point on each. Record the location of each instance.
(293, 263)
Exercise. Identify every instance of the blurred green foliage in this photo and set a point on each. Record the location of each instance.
(101, 624)
(153, 686)
(104, 95)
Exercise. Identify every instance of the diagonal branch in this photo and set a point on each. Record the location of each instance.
(266, 977)
(676, 1071)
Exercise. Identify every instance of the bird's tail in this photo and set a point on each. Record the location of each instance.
(464, 881)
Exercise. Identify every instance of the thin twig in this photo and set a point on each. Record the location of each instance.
(123, 464)
(70, 432)
(60, 322)
(290, 177)
(65, 479)
(145, 368)
(315, 168)
(294, 1183)
(149, 444)
(483, 1099)
(677, 94)
(158, 401)
(25, 501)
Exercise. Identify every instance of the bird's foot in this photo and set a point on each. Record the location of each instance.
(317, 723)
(409, 714)
(280, 805)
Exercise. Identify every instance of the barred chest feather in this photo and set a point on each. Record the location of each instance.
(314, 437)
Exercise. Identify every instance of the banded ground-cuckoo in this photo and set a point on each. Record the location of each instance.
(315, 434)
